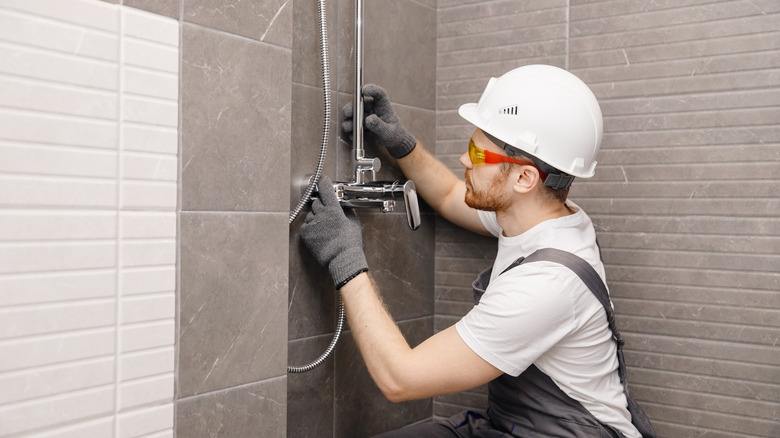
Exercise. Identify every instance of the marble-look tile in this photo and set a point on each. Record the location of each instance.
(255, 410)
(361, 409)
(262, 20)
(235, 123)
(233, 311)
(310, 395)
(306, 68)
(399, 50)
(312, 298)
(169, 8)
(307, 127)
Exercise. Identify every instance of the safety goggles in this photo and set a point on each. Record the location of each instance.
(481, 156)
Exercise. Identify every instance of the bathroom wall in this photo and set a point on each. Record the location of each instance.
(88, 194)
(89, 222)
(235, 151)
(687, 203)
(339, 399)
(685, 198)
(98, 205)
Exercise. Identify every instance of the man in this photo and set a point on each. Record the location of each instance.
(537, 329)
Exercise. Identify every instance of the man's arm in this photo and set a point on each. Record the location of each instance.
(440, 365)
(443, 364)
(440, 188)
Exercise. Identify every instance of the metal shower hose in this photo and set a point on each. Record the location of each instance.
(315, 179)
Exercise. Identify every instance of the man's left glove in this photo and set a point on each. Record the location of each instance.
(381, 122)
(334, 237)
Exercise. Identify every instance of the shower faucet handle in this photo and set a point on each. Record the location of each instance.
(412, 205)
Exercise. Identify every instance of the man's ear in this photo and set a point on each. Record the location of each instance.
(527, 178)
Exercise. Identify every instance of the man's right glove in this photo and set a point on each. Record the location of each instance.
(334, 237)
(382, 122)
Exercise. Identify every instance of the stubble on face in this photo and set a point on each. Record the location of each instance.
(490, 199)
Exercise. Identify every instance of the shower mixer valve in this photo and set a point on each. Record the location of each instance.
(380, 194)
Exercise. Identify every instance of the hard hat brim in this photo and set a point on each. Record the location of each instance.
(469, 112)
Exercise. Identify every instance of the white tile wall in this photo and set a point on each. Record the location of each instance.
(88, 197)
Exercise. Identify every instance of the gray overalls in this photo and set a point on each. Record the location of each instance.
(531, 405)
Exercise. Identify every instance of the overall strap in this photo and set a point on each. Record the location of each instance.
(588, 275)
(591, 278)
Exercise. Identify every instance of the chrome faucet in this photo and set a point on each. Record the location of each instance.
(382, 195)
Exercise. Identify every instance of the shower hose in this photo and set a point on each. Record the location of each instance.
(314, 179)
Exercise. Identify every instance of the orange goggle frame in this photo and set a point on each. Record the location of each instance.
(481, 156)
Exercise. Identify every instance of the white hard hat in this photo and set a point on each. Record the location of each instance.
(544, 111)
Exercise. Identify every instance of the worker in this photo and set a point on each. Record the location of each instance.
(537, 334)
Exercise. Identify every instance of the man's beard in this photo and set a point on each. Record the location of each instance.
(490, 199)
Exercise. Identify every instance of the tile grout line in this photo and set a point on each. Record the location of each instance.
(232, 388)
(178, 210)
(117, 278)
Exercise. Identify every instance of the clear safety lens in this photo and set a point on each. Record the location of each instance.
(476, 155)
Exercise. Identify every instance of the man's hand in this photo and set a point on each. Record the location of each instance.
(382, 122)
(334, 237)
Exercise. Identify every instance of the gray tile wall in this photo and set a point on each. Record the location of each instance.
(338, 398)
(233, 256)
(236, 137)
(686, 203)
(685, 199)
(169, 8)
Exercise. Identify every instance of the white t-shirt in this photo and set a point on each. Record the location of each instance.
(543, 314)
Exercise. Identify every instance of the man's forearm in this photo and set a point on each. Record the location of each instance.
(379, 340)
(434, 181)
(442, 364)
(440, 188)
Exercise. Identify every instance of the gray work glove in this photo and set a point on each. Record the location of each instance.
(334, 237)
(381, 122)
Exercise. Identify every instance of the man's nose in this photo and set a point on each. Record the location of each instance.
(466, 161)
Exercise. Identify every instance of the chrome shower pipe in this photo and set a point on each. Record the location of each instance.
(363, 166)
(357, 103)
